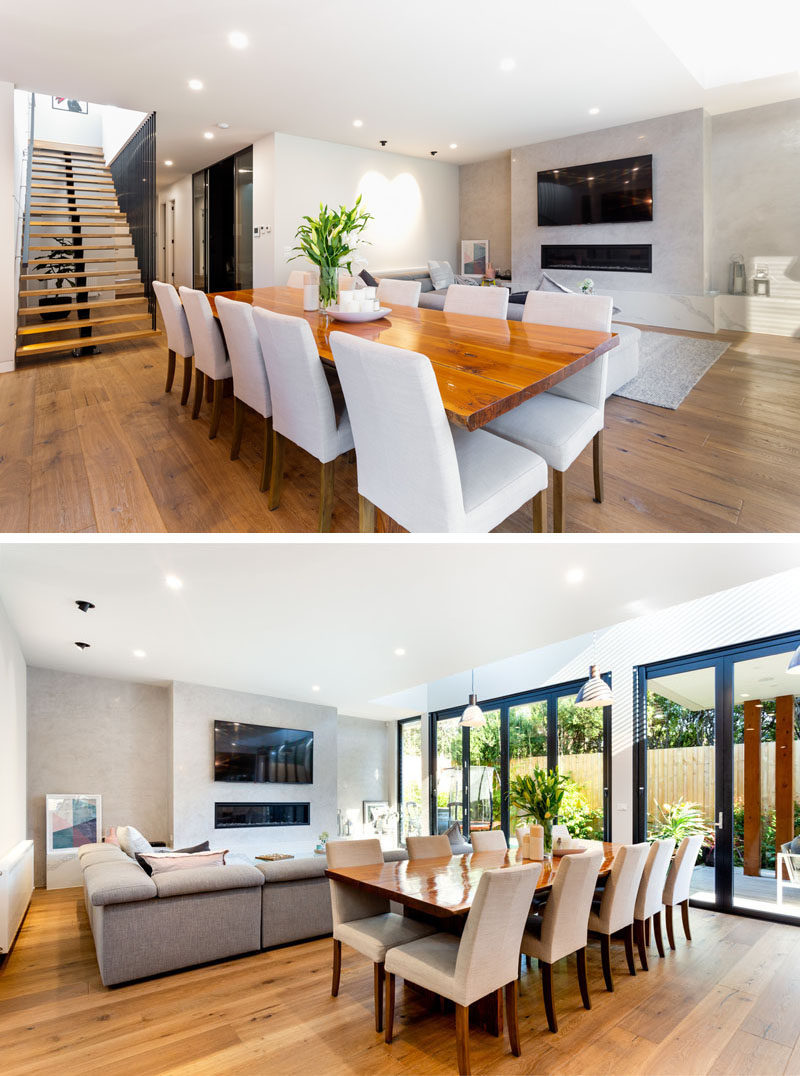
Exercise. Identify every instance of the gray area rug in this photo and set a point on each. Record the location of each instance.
(669, 368)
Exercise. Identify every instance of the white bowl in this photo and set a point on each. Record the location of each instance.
(358, 315)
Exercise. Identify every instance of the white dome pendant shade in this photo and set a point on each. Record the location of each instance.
(473, 717)
(595, 692)
(794, 663)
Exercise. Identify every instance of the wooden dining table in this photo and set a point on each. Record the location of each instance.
(484, 367)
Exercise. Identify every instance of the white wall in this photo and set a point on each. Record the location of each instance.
(364, 767)
(13, 793)
(9, 276)
(264, 211)
(181, 192)
(95, 735)
(74, 128)
(118, 124)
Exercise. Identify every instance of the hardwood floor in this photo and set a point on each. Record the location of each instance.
(729, 1002)
(95, 444)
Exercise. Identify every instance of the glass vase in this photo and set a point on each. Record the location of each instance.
(547, 826)
(328, 286)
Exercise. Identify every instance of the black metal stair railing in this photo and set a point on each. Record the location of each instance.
(133, 171)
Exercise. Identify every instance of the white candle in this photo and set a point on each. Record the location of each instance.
(310, 296)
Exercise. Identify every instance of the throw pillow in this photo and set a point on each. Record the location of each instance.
(178, 861)
(368, 278)
(142, 861)
(794, 847)
(131, 841)
(441, 275)
(203, 847)
(466, 280)
(454, 835)
(548, 284)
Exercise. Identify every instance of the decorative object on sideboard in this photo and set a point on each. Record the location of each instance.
(322, 840)
(737, 278)
(761, 280)
(587, 286)
(329, 242)
(474, 257)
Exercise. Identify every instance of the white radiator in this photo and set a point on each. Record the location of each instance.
(16, 886)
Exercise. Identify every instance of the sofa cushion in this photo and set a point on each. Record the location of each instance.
(87, 849)
(290, 870)
(441, 274)
(794, 847)
(162, 863)
(117, 882)
(368, 278)
(206, 880)
(131, 841)
(104, 855)
(548, 284)
(454, 834)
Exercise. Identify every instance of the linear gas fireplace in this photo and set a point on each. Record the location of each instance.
(245, 815)
(617, 258)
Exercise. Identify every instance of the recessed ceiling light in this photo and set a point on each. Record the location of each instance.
(195, 84)
(399, 652)
(315, 687)
(173, 582)
(454, 145)
(745, 695)
(139, 654)
(593, 111)
(508, 64)
(168, 164)
(358, 123)
(208, 134)
(237, 40)
(223, 126)
(575, 575)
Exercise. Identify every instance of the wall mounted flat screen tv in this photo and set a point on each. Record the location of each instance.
(262, 754)
(611, 192)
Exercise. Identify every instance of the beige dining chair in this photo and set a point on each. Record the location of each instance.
(679, 879)
(484, 960)
(399, 292)
(488, 840)
(299, 279)
(437, 847)
(491, 302)
(211, 362)
(179, 339)
(649, 899)
(612, 909)
(363, 920)
(561, 928)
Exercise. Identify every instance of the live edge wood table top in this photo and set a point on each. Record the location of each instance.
(484, 366)
(445, 887)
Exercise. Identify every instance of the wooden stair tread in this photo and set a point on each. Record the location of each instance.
(96, 247)
(68, 196)
(89, 272)
(82, 287)
(48, 176)
(32, 330)
(83, 224)
(55, 188)
(84, 341)
(92, 304)
(107, 259)
(75, 210)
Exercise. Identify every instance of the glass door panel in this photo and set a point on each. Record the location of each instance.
(766, 783)
(199, 220)
(527, 735)
(410, 778)
(580, 758)
(484, 774)
(449, 783)
(243, 218)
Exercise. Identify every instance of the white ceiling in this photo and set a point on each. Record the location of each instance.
(420, 74)
(276, 618)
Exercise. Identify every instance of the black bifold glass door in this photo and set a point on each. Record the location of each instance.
(222, 224)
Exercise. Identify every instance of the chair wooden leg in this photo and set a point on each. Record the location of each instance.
(638, 933)
(658, 935)
(597, 465)
(547, 991)
(388, 1021)
(670, 931)
(337, 967)
(199, 377)
(276, 473)
(512, 1017)
(605, 953)
(495, 1022)
(238, 427)
(540, 512)
(462, 1039)
(209, 389)
(379, 977)
(629, 948)
(170, 370)
(647, 932)
(685, 918)
(326, 495)
(187, 378)
(267, 457)
(558, 502)
(583, 982)
(366, 515)
(216, 409)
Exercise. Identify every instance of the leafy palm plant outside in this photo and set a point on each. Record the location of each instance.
(329, 242)
(538, 796)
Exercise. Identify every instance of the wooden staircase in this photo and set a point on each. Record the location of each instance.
(78, 238)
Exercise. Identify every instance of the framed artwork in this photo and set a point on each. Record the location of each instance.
(69, 104)
(474, 257)
(373, 810)
(73, 819)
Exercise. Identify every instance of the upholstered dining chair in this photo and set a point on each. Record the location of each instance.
(484, 960)
(649, 899)
(437, 847)
(613, 906)
(560, 423)
(303, 409)
(561, 928)
(179, 339)
(676, 889)
(560, 832)
(299, 279)
(423, 473)
(210, 359)
(488, 840)
(250, 385)
(491, 302)
(363, 920)
(399, 292)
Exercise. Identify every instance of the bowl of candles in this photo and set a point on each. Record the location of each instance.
(358, 304)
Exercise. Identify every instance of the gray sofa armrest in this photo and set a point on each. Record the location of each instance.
(109, 854)
(207, 880)
(292, 870)
(117, 882)
(87, 849)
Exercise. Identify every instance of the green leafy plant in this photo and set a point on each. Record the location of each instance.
(538, 795)
(578, 815)
(56, 267)
(329, 242)
(679, 820)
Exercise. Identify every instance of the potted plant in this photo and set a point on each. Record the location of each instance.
(55, 265)
(537, 796)
(322, 840)
(329, 242)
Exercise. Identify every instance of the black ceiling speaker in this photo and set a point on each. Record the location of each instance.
(434, 152)
(83, 646)
(383, 141)
(84, 606)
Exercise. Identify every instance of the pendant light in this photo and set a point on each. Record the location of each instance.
(473, 717)
(794, 663)
(595, 692)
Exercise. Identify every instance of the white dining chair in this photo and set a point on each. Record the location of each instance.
(303, 409)
(423, 473)
(561, 929)
(613, 907)
(560, 423)
(250, 385)
(649, 899)
(488, 840)
(490, 302)
(484, 960)
(399, 292)
(437, 847)
(560, 832)
(677, 886)
(299, 279)
(179, 339)
(210, 360)
(363, 920)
